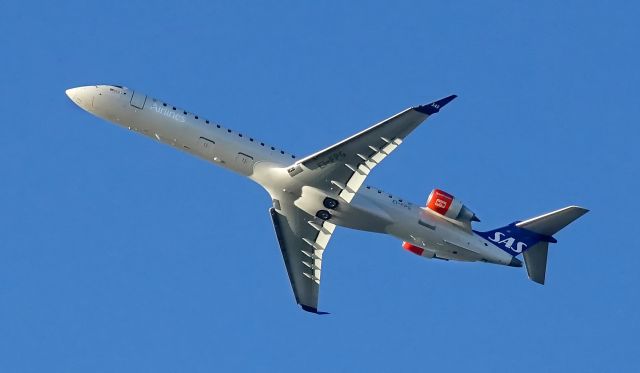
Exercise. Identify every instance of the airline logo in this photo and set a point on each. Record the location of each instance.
(439, 201)
(508, 242)
(168, 113)
(513, 239)
(441, 204)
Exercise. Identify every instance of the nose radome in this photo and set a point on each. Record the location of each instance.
(81, 96)
(71, 93)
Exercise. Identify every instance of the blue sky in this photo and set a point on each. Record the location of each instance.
(121, 254)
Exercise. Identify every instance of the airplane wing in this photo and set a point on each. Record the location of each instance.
(302, 240)
(343, 167)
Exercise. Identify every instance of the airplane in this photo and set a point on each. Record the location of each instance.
(313, 195)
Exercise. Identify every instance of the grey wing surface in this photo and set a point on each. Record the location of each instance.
(303, 239)
(343, 167)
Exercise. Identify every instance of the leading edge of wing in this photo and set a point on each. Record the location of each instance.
(435, 106)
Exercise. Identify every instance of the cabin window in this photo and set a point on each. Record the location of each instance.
(229, 131)
(164, 104)
(174, 108)
(262, 143)
(240, 134)
(196, 117)
(293, 156)
(272, 148)
(281, 151)
(184, 112)
(251, 139)
(217, 125)
(206, 121)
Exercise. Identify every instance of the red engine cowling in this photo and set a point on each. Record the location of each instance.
(418, 250)
(412, 248)
(447, 205)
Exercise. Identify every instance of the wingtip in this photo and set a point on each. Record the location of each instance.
(313, 310)
(435, 106)
(581, 208)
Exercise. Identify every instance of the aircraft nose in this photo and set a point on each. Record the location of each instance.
(82, 96)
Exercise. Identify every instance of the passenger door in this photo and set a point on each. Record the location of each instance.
(138, 100)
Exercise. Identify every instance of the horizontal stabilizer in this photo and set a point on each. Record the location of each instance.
(550, 223)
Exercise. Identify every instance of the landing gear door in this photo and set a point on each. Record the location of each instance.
(138, 100)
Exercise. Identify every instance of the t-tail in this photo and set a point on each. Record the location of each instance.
(531, 238)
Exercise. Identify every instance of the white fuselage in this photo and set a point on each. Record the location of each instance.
(371, 210)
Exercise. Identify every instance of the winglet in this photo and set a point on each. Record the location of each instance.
(435, 106)
(313, 310)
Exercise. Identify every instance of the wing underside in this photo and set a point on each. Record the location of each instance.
(302, 240)
(342, 168)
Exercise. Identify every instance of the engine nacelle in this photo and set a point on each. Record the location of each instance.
(418, 250)
(447, 205)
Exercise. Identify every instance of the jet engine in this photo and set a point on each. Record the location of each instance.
(447, 205)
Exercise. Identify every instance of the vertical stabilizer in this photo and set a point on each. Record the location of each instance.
(536, 261)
